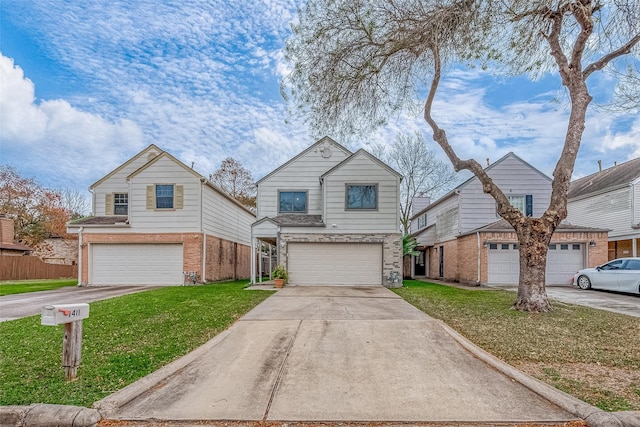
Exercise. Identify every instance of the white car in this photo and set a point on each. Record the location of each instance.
(622, 275)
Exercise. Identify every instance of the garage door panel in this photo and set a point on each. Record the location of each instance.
(335, 263)
(563, 260)
(137, 264)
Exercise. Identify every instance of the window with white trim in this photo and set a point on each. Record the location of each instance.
(422, 221)
(120, 203)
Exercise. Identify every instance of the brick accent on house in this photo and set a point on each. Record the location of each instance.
(227, 260)
(467, 253)
(391, 249)
(224, 259)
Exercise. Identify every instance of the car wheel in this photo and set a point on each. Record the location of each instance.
(584, 282)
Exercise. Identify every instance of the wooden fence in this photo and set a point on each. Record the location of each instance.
(31, 267)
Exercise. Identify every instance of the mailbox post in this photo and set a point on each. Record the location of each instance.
(69, 315)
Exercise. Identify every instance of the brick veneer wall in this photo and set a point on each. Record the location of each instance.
(191, 244)
(468, 261)
(391, 248)
(227, 260)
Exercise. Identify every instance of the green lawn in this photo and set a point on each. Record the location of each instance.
(23, 286)
(591, 354)
(124, 339)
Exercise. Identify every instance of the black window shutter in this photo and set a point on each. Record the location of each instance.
(529, 203)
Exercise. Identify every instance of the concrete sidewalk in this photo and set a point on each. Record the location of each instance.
(333, 354)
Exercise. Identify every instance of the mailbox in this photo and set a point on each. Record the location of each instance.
(64, 313)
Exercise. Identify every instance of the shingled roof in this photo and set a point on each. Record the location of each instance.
(616, 176)
(298, 220)
(102, 220)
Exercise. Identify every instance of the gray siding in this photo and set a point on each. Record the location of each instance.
(303, 175)
(445, 216)
(515, 178)
(361, 169)
(611, 210)
(223, 218)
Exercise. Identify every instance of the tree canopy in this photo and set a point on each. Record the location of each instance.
(421, 170)
(357, 62)
(236, 180)
(38, 213)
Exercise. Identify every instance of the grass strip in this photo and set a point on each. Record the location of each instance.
(24, 286)
(124, 339)
(591, 354)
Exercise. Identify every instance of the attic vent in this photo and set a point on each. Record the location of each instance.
(152, 155)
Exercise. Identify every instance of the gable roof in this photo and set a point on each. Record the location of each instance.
(502, 226)
(311, 147)
(456, 190)
(150, 148)
(614, 177)
(194, 173)
(156, 159)
(364, 152)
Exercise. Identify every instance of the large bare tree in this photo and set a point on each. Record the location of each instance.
(421, 170)
(356, 62)
(233, 178)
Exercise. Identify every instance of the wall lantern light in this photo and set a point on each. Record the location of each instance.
(592, 244)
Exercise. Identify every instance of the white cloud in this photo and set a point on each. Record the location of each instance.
(52, 138)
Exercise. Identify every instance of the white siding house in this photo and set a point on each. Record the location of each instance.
(158, 222)
(333, 218)
(462, 238)
(610, 199)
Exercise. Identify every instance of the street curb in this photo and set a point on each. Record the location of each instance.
(46, 415)
(594, 416)
(115, 401)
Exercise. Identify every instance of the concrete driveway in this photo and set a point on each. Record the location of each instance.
(29, 304)
(603, 300)
(331, 354)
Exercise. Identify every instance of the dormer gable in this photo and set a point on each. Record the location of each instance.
(361, 153)
(325, 148)
(148, 154)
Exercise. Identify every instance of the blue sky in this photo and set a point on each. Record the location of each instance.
(86, 85)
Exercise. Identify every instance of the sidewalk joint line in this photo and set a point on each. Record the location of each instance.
(280, 373)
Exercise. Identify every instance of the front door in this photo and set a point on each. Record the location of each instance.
(441, 269)
(420, 266)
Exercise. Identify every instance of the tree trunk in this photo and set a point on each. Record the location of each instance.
(534, 237)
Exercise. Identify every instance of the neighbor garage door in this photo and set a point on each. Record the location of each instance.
(335, 263)
(136, 264)
(563, 260)
(503, 263)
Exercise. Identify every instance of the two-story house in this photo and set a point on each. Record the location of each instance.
(610, 198)
(462, 238)
(333, 218)
(158, 222)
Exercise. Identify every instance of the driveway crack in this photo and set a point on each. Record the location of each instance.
(276, 384)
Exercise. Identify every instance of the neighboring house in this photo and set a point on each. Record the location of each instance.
(58, 250)
(610, 198)
(8, 245)
(333, 217)
(462, 238)
(158, 222)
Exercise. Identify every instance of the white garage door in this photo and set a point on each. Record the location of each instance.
(563, 260)
(136, 264)
(335, 263)
(503, 263)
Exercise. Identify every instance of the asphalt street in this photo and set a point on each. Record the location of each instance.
(29, 304)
